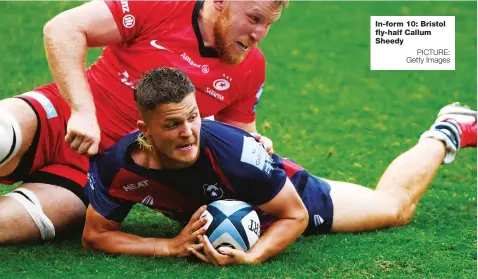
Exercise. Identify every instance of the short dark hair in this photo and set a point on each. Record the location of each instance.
(162, 86)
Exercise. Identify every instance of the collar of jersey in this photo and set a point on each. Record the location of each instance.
(203, 50)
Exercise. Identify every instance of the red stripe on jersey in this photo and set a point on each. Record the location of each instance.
(132, 187)
(290, 167)
(218, 171)
(129, 186)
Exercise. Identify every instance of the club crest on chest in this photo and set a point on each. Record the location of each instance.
(213, 191)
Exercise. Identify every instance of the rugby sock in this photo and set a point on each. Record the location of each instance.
(447, 132)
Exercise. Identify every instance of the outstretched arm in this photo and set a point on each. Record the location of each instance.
(105, 235)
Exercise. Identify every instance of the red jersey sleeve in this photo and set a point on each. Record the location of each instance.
(243, 109)
(135, 18)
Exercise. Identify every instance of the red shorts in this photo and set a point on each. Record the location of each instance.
(49, 159)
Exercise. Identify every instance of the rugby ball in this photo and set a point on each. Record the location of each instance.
(232, 223)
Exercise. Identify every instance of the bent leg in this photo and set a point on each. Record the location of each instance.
(27, 123)
(64, 209)
(393, 202)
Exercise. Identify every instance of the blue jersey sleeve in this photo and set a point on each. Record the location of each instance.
(254, 174)
(111, 208)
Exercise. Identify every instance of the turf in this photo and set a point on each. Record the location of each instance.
(323, 107)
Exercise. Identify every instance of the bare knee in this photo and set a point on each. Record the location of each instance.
(19, 122)
(61, 212)
(62, 206)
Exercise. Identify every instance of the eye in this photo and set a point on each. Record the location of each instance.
(254, 19)
(193, 117)
(170, 125)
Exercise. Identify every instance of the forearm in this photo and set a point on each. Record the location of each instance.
(65, 47)
(117, 242)
(279, 236)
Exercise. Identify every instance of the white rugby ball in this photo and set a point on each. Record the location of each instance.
(232, 223)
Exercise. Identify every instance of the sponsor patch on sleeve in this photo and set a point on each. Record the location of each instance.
(255, 154)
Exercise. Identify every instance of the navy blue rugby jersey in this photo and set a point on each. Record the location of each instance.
(231, 165)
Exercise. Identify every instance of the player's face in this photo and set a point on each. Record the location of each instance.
(241, 25)
(174, 130)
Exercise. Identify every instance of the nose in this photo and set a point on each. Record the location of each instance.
(187, 131)
(258, 33)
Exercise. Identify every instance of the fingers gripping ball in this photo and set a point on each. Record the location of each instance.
(232, 223)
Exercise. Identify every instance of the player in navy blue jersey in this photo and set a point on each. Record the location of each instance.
(177, 163)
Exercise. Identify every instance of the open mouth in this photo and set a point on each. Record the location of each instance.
(185, 147)
(243, 46)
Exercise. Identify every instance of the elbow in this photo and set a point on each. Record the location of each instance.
(60, 24)
(88, 241)
(50, 27)
(51, 33)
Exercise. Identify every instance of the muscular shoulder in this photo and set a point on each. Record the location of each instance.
(220, 135)
(236, 150)
(135, 18)
(252, 71)
(256, 55)
(255, 60)
(244, 163)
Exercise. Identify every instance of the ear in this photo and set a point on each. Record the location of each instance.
(143, 128)
(219, 5)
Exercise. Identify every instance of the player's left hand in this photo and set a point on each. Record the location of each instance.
(182, 244)
(225, 255)
(266, 142)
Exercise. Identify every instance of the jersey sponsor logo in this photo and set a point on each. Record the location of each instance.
(212, 191)
(254, 153)
(214, 94)
(148, 200)
(44, 102)
(125, 79)
(221, 84)
(189, 60)
(158, 46)
(128, 21)
(204, 68)
(125, 6)
(318, 220)
(135, 186)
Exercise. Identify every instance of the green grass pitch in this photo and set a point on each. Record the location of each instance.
(323, 107)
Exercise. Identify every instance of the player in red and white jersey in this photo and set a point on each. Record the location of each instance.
(227, 89)
(49, 129)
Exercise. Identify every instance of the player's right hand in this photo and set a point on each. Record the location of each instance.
(83, 133)
(180, 245)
